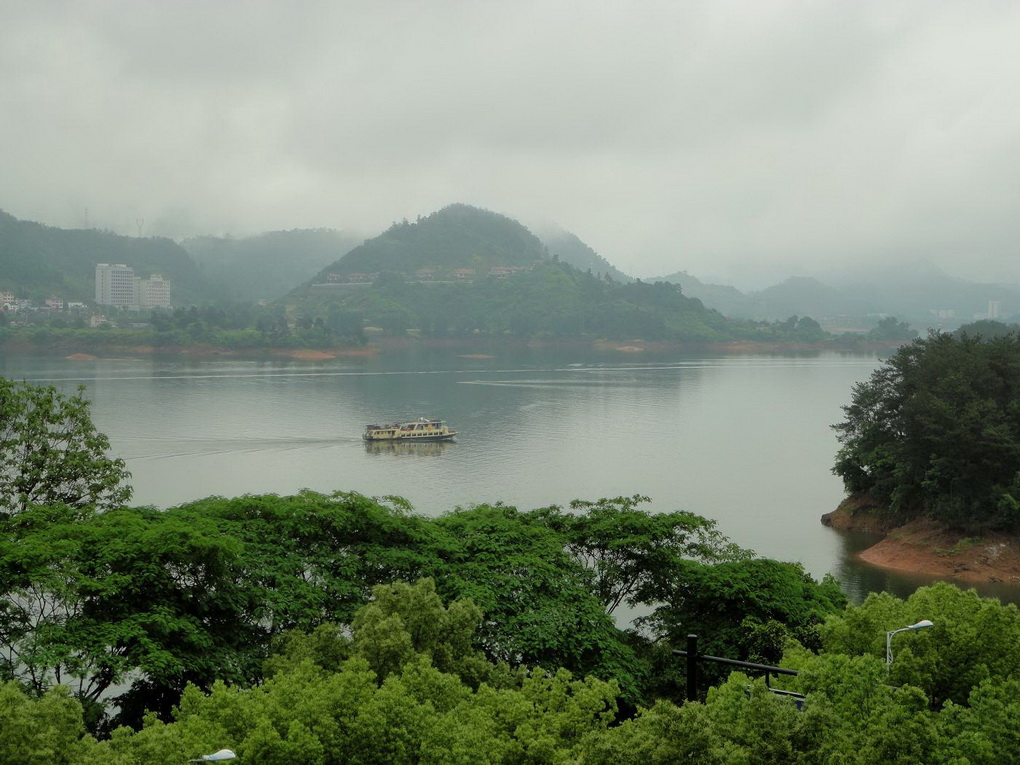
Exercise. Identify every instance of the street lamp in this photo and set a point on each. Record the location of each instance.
(223, 754)
(888, 637)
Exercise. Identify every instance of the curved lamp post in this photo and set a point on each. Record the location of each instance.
(888, 637)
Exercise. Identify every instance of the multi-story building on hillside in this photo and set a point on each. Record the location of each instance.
(115, 285)
(154, 292)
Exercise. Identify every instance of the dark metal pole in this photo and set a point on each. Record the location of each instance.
(692, 667)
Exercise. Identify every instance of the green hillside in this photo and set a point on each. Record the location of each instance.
(38, 261)
(405, 280)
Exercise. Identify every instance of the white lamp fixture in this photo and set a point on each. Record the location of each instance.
(223, 754)
(888, 637)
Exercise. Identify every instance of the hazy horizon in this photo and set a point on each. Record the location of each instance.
(741, 142)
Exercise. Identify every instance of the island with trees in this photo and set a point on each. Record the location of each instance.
(930, 451)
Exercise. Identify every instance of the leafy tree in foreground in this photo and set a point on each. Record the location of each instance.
(50, 452)
(45, 730)
(973, 639)
(634, 555)
(129, 595)
(374, 694)
(537, 599)
(386, 701)
(741, 609)
(199, 593)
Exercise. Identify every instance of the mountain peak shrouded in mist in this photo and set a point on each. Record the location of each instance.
(457, 236)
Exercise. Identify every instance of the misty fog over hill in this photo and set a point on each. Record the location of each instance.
(269, 265)
(921, 295)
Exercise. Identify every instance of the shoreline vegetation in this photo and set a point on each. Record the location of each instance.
(924, 546)
(82, 347)
(929, 457)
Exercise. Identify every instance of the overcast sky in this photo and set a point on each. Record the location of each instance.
(741, 141)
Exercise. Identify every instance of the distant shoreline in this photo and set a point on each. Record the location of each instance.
(926, 547)
(77, 348)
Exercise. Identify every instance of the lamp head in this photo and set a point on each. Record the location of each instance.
(920, 624)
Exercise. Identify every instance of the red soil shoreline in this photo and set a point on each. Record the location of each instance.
(926, 547)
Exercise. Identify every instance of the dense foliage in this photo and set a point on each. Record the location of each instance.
(950, 695)
(461, 272)
(541, 298)
(405, 684)
(51, 453)
(936, 432)
(157, 599)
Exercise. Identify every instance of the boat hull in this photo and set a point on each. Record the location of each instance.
(411, 437)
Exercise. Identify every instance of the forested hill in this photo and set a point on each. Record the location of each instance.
(38, 261)
(269, 265)
(551, 300)
(458, 236)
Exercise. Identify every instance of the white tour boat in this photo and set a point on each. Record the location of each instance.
(422, 429)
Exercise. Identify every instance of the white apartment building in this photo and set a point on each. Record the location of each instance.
(153, 292)
(117, 285)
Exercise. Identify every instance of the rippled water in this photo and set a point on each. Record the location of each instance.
(745, 440)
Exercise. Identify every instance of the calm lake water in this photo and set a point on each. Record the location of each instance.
(743, 439)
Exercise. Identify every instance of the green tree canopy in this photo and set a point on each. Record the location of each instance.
(745, 609)
(51, 452)
(635, 555)
(983, 630)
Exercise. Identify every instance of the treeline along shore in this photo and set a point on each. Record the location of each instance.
(146, 342)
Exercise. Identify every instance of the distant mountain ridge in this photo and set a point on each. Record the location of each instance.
(727, 300)
(920, 293)
(38, 261)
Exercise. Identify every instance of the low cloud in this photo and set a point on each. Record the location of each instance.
(737, 141)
